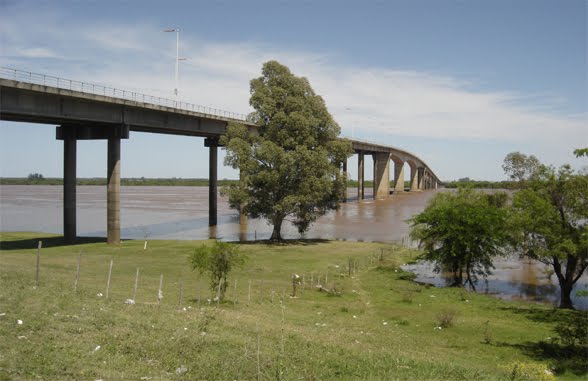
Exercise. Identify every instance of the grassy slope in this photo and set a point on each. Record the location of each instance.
(382, 327)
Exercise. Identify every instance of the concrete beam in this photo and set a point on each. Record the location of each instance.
(381, 175)
(113, 192)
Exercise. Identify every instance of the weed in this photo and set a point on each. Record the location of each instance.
(445, 318)
(408, 297)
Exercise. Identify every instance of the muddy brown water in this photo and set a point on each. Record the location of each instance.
(182, 213)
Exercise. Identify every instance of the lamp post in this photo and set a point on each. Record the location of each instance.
(178, 59)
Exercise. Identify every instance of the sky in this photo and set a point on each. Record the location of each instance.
(459, 83)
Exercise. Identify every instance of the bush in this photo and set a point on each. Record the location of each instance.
(445, 318)
(217, 260)
(573, 331)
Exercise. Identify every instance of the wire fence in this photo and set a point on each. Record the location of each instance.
(90, 88)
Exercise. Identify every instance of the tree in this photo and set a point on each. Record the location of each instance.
(552, 219)
(217, 260)
(290, 169)
(520, 167)
(580, 152)
(461, 232)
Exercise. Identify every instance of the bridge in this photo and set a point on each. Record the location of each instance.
(84, 111)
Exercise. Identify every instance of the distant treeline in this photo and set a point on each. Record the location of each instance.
(142, 181)
(480, 184)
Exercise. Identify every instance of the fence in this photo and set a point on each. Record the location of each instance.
(243, 291)
(89, 88)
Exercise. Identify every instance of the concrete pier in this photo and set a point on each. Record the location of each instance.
(360, 174)
(381, 175)
(398, 176)
(212, 144)
(414, 183)
(113, 192)
(69, 185)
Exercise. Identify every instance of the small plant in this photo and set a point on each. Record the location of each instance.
(520, 371)
(445, 318)
(336, 290)
(487, 339)
(217, 260)
(408, 297)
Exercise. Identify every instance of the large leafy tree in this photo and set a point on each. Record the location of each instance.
(520, 167)
(290, 168)
(461, 232)
(552, 216)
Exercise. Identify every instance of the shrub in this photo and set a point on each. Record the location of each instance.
(445, 318)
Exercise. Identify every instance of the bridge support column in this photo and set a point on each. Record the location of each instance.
(113, 192)
(360, 173)
(69, 185)
(212, 144)
(345, 179)
(421, 178)
(414, 185)
(381, 175)
(398, 176)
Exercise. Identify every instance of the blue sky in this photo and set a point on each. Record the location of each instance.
(459, 83)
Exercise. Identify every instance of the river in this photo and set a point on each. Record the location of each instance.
(182, 213)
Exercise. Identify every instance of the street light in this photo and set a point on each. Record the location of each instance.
(178, 59)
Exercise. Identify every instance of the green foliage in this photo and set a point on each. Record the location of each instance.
(520, 167)
(461, 232)
(551, 217)
(291, 168)
(580, 152)
(35, 176)
(522, 371)
(573, 332)
(217, 260)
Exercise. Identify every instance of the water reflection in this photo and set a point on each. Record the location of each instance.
(512, 279)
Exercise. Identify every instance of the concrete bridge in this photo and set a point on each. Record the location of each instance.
(85, 111)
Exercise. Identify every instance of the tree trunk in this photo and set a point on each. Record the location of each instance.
(566, 281)
(566, 291)
(277, 232)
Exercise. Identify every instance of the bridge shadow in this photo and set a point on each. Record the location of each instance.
(58, 241)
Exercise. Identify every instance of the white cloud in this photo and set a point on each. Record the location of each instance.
(370, 100)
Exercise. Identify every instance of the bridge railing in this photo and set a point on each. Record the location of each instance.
(90, 88)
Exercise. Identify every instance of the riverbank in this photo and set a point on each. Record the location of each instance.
(374, 324)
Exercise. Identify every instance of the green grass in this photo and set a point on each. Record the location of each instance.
(382, 327)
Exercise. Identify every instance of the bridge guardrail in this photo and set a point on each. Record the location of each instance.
(89, 88)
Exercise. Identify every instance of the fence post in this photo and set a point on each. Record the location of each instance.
(109, 275)
(235, 293)
(78, 271)
(249, 294)
(181, 285)
(135, 289)
(218, 292)
(38, 263)
(160, 292)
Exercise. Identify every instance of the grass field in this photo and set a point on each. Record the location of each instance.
(379, 325)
